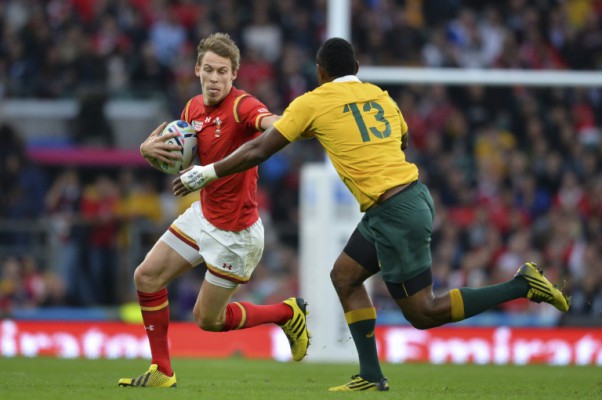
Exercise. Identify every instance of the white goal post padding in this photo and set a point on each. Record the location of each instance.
(329, 214)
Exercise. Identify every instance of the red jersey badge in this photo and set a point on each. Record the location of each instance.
(218, 123)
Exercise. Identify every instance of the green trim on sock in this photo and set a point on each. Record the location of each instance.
(480, 299)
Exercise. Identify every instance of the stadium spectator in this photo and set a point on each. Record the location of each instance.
(25, 284)
(63, 207)
(12, 288)
(167, 36)
(262, 34)
(100, 214)
(91, 126)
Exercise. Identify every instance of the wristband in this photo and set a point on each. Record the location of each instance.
(198, 177)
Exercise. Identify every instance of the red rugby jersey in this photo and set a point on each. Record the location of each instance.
(229, 203)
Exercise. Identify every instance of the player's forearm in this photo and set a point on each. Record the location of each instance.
(252, 153)
(246, 156)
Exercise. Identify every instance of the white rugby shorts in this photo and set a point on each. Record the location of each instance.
(230, 256)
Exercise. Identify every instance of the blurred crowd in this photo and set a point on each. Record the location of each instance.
(514, 170)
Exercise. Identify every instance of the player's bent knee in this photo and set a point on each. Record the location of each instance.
(421, 323)
(206, 323)
(345, 278)
(340, 280)
(335, 277)
(148, 280)
(419, 310)
(423, 316)
(142, 279)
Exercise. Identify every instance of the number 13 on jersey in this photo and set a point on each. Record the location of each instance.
(379, 120)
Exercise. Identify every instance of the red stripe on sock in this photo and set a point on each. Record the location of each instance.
(256, 315)
(156, 324)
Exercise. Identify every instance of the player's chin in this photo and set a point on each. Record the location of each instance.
(214, 98)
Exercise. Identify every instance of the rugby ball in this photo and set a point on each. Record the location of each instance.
(186, 139)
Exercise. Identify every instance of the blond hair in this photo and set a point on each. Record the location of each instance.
(222, 45)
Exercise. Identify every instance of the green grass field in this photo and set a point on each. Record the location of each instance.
(231, 379)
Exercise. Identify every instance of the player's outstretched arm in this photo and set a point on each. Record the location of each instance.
(248, 155)
(154, 149)
(267, 122)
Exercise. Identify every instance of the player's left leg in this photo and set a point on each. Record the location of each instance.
(214, 312)
(424, 310)
(231, 258)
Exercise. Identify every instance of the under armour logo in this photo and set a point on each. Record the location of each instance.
(227, 266)
(150, 328)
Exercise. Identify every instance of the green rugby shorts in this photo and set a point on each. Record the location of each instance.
(400, 228)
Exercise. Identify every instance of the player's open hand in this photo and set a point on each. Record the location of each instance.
(156, 148)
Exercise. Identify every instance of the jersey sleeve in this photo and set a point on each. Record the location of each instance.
(191, 108)
(187, 111)
(296, 120)
(249, 111)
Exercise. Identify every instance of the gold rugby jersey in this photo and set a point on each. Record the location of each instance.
(360, 127)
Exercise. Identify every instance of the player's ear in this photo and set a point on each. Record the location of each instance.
(234, 74)
(197, 70)
(357, 66)
(321, 74)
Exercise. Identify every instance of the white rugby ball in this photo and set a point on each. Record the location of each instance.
(186, 139)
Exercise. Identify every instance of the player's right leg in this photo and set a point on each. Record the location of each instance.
(354, 265)
(175, 253)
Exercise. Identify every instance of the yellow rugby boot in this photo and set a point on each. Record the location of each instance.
(359, 384)
(153, 378)
(295, 328)
(541, 288)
